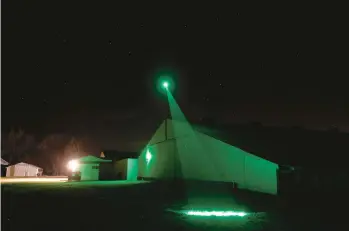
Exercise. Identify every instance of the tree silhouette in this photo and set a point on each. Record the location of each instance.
(12, 144)
(74, 147)
(52, 151)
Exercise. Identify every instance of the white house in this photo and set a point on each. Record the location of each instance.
(23, 169)
(178, 151)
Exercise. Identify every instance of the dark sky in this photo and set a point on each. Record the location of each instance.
(94, 67)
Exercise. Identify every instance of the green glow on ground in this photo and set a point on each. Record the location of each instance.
(215, 213)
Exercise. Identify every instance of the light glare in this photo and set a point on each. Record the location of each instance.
(165, 85)
(5, 180)
(148, 156)
(73, 165)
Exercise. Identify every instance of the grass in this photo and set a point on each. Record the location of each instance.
(123, 205)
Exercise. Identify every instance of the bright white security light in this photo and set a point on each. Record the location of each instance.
(73, 165)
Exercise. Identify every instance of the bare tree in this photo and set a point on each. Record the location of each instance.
(13, 142)
(74, 148)
(52, 150)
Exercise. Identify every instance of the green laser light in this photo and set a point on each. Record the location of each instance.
(165, 85)
(148, 156)
(216, 213)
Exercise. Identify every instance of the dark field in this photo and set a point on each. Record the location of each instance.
(122, 205)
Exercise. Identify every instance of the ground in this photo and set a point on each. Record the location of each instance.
(125, 205)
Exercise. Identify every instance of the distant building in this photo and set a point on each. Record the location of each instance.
(89, 167)
(23, 170)
(3, 168)
(4, 162)
(116, 155)
(123, 166)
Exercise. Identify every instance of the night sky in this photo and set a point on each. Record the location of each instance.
(93, 68)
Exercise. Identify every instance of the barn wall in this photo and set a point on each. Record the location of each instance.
(89, 171)
(107, 171)
(260, 175)
(159, 135)
(10, 171)
(235, 165)
(201, 157)
(132, 169)
(161, 164)
(170, 127)
(21, 169)
(121, 169)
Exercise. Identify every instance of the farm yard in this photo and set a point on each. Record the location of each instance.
(139, 205)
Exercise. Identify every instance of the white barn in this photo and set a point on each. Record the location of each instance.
(4, 162)
(22, 170)
(178, 151)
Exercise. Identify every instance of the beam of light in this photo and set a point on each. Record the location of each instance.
(5, 180)
(191, 151)
(196, 160)
(202, 157)
(215, 213)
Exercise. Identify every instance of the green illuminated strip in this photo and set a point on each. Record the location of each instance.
(215, 213)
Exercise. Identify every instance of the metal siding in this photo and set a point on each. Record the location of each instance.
(214, 160)
(132, 169)
(121, 168)
(88, 173)
(22, 169)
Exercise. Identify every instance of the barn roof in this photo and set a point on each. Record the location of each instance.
(4, 162)
(118, 155)
(22, 163)
(93, 159)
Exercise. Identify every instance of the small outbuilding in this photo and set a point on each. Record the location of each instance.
(89, 167)
(123, 166)
(23, 170)
(127, 169)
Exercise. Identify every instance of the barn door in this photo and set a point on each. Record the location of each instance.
(95, 172)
